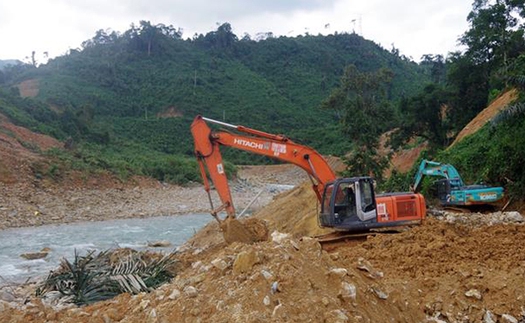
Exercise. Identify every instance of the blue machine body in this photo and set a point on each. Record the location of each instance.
(452, 191)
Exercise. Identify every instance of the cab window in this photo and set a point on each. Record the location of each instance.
(367, 196)
(327, 197)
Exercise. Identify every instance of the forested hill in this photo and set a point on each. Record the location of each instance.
(139, 90)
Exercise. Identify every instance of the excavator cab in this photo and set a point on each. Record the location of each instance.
(444, 188)
(347, 202)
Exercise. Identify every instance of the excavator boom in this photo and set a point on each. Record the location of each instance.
(432, 168)
(207, 150)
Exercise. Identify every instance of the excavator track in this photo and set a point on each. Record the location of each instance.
(333, 240)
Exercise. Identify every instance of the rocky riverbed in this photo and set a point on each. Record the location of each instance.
(26, 204)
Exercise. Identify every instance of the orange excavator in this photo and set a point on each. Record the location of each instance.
(347, 204)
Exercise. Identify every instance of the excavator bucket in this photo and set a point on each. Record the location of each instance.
(246, 231)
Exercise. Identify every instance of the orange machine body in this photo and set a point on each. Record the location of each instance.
(383, 210)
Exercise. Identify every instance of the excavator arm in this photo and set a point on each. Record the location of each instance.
(432, 168)
(207, 151)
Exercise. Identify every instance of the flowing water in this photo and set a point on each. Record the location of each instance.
(66, 239)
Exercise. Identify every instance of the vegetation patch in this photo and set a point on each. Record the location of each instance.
(97, 277)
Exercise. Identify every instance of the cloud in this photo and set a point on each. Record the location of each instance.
(229, 8)
(415, 27)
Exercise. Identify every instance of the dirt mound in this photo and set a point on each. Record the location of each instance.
(247, 231)
(486, 115)
(294, 212)
(453, 270)
(437, 272)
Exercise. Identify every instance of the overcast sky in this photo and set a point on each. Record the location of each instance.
(415, 27)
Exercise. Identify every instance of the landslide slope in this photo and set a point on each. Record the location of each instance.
(20, 151)
(486, 115)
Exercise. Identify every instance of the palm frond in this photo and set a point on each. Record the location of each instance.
(517, 81)
(512, 111)
(93, 278)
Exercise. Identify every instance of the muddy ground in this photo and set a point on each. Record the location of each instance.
(452, 268)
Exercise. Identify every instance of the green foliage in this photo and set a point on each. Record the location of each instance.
(469, 86)
(365, 114)
(514, 111)
(494, 44)
(29, 113)
(493, 36)
(437, 67)
(424, 115)
(493, 155)
(397, 182)
(514, 75)
(403, 182)
(97, 277)
(123, 161)
(126, 100)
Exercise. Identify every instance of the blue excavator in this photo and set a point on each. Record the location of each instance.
(452, 191)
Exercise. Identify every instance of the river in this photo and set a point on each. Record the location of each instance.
(65, 239)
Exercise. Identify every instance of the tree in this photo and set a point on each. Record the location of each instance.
(437, 66)
(221, 39)
(425, 115)
(147, 33)
(470, 84)
(360, 102)
(148, 37)
(493, 42)
(101, 37)
(493, 33)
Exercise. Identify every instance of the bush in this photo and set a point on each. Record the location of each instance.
(494, 155)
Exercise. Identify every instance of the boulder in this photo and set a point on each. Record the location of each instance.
(348, 291)
(488, 317)
(473, 293)
(507, 318)
(245, 261)
(190, 291)
(219, 264)
(336, 316)
(34, 255)
(339, 272)
(279, 237)
(159, 244)
(174, 294)
(6, 296)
